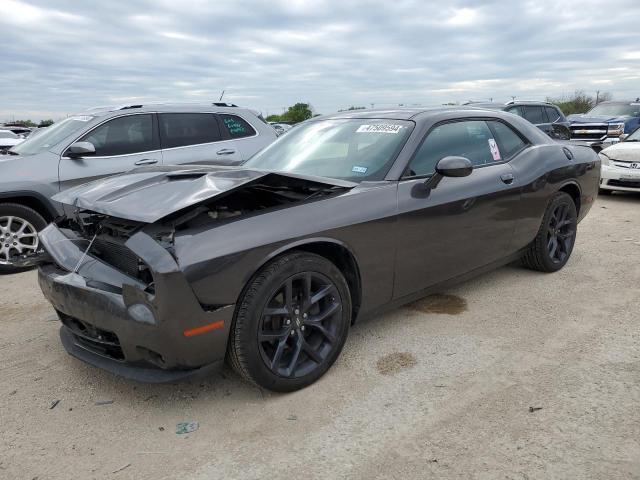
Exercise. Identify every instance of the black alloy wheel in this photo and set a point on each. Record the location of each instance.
(561, 233)
(552, 247)
(291, 322)
(300, 325)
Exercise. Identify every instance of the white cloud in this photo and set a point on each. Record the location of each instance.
(65, 55)
(463, 17)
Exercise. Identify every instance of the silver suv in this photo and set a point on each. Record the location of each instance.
(108, 140)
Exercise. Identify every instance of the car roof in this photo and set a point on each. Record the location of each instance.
(619, 102)
(166, 107)
(413, 113)
(497, 105)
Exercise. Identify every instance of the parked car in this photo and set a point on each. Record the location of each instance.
(105, 141)
(8, 139)
(546, 116)
(172, 269)
(18, 129)
(604, 123)
(280, 128)
(621, 165)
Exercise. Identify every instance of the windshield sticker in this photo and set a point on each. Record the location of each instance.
(357, 169)
(495, 151)
(379, 128)
(82, 118)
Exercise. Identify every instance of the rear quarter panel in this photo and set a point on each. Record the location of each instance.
(543, 170)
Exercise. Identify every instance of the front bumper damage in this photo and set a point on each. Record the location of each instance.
(118, 323)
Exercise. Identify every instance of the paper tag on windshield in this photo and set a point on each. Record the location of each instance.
(358, 169)
(82, 118)
(495, 151)
(379, 128)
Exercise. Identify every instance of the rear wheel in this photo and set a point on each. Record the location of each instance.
(552, 247)
(292, 322)
(19, 226)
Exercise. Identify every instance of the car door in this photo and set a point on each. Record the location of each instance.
(121, 143)
(196, 138)
(461, 224)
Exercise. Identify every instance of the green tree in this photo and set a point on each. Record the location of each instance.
(26, 123)
(45, 123)
(297, 113)
(294, 114)
(579, 101)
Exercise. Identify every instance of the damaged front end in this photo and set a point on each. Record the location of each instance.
(116, 283)
(124, 304)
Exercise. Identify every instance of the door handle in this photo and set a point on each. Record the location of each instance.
(226, 151)
(146, 161)
(507, 178)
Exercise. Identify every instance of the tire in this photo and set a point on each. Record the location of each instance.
(559, 223)
(268, 330)
(604, 191)
(20, 215)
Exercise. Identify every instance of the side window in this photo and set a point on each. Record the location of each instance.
(471, 139)
(182, 129)
(123, 135)
(516, 111)
(552, 114)
(509, 142)
(236, 126)
(535, 114)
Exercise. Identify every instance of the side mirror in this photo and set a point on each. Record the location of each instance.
(454, 167)
(623, 137)
(80, 149)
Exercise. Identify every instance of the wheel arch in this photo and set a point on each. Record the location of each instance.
(574, 191)
(336, 252)
(34, 200)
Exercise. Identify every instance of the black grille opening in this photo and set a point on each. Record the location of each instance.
(114, 253)
(94, 339)
(624, 183)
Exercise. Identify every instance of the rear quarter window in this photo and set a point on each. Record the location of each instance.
(535, 114)
(552, 114)
(237, 127)
(508, 140)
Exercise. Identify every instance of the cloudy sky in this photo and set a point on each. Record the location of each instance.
(61, 56)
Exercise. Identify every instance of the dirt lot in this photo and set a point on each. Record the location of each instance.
(439, 389)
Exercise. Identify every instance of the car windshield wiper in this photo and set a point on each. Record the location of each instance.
(9, 152)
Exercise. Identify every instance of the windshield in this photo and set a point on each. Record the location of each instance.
(616, 110)
(52, 135)
(7, 134)
(347, 149)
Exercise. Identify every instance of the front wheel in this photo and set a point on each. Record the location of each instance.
(552, 247)
(19, 227)
(292, 322)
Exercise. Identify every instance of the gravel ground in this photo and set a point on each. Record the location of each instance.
(514, 375)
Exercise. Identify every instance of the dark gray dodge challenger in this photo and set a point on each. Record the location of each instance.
(163, 272)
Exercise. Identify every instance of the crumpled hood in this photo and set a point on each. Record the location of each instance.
(585, 118)
(152, 193)
(626, 151)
